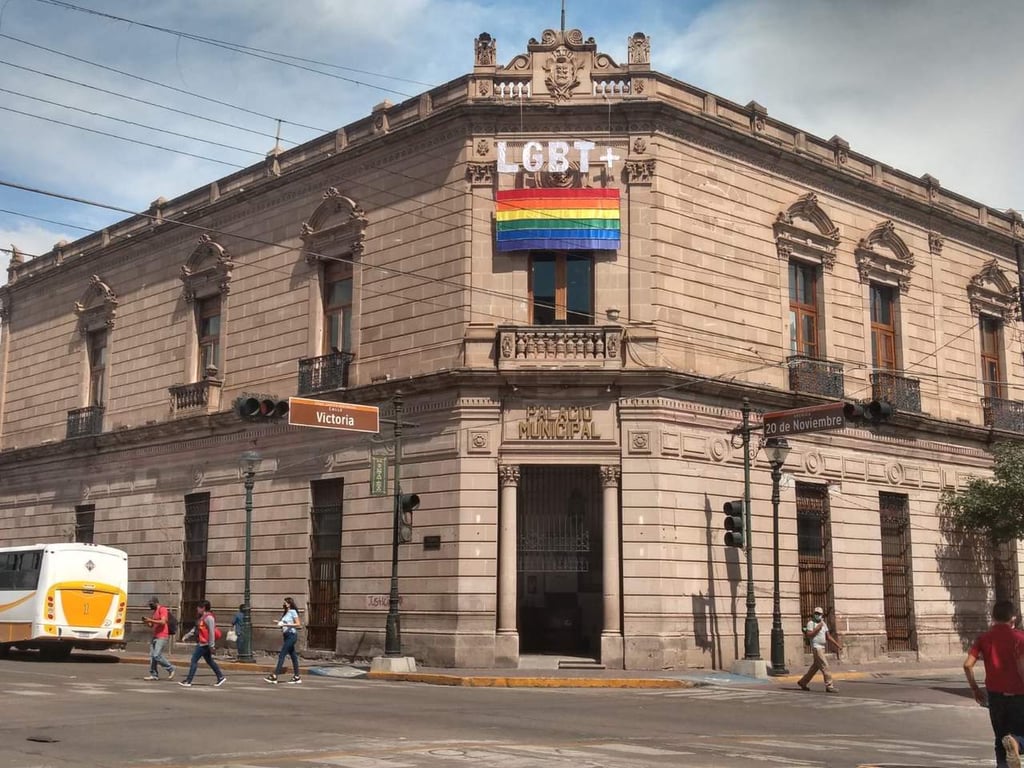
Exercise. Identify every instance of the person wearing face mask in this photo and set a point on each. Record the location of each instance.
(818, 633)
(289, 624)
(157, 644)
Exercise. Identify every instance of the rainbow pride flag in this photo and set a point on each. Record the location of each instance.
(558, 219)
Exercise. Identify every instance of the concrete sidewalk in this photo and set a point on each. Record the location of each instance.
(567, 678)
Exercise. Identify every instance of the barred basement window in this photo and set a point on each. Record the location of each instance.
(85, 523)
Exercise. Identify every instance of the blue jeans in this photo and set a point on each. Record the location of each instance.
(202, 652)
(156, 655)
(288, 649)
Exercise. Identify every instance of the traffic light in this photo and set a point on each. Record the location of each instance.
(874, 412)
(260, 408)
(407, 502)
(735, 523)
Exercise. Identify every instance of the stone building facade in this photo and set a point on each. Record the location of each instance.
(571, 403)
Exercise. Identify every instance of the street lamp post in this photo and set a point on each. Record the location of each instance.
(393, 626)
(250, 464)
(777, 449)
(751, 633)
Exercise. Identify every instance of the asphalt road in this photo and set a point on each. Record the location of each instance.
(94, 711)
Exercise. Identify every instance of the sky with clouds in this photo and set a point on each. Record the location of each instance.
(927, 86)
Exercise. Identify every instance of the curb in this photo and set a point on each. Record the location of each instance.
(481, 681)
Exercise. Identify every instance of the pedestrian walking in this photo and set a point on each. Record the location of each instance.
(205, 633)
(289, 624)
(1001, 650)
(818, 633)
(158, 643)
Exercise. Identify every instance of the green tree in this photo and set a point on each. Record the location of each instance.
(991, 507)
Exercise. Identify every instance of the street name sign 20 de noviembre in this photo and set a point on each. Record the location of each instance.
(815, 418)
(327, 414)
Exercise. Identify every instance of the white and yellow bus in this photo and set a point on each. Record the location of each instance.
(57, 597)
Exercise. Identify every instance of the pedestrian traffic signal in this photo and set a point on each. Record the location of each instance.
(735, 523)
(407, 502)
(873, 412)
(260, 408)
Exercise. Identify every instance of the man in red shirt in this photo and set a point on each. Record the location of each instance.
(158, 621)
(1001, 649)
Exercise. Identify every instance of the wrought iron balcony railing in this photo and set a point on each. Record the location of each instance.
(573, 345)
(85, 421)
(325, 373)
(1003, 414)
(819, 377)
(902, 393)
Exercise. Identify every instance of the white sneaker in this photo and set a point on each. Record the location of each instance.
(1012, 751)
(151, 677)
(296, 680)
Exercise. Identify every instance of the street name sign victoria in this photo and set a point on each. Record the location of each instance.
(815, 418)
(328, 414)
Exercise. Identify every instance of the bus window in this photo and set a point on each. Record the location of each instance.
(20, 570)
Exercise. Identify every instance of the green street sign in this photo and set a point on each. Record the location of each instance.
(378, 475)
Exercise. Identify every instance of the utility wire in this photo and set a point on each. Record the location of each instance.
(159, 84)
(130, 122)
(141, 101)
(239, 48)
(123, 138)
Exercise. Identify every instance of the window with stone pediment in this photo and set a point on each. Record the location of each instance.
(206, 281)
(994, 301)
(805, 232)
(333, 240)
(96, 311)
(883, 258)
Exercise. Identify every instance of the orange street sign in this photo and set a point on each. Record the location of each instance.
(327, 414)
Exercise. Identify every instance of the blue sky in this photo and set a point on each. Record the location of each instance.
(928, 86)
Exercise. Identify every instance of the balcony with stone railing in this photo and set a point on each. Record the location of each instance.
(559, 346)
(901, 392)
(1003, 414)
(815, 376)
(197, 397)
(85, 421)
(325, 373)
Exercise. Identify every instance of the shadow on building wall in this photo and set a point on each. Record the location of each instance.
(707, 634)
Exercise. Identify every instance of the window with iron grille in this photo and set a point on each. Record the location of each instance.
(85, 523)
(324, 564)
(897, 584)
(193, 568)
(814, 552)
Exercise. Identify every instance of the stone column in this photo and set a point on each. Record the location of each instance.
(506, 644)
(611, 634)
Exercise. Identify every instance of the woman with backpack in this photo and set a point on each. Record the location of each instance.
(206, 634)
(289, 624)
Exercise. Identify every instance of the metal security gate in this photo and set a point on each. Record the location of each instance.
(559, 549)
(813, 533)
(897, 588)
(324, 565)
(193, 567)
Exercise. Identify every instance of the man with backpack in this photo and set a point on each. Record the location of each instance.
(160, 621)
(206, 634)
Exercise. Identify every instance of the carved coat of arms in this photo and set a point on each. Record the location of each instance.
(562, 69)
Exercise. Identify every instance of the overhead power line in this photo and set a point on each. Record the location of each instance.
(161, 85)
(238, 47)
(141, 101)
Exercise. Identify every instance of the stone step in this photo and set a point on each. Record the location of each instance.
(579, 664)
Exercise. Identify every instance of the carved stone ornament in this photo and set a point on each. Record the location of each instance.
(610, 477)
(338, 225)
(486, 53)
(640, 171)
(804, 230)
(508, 475)
(97, 308)
(891, 265)
(990, 292)
(207, 271)
(935, 243)
(483, 147)
(639, 442)
(480, 174)
(639, 145)
(479, 440)
(841, 149)
(562, 73)
(639, 49)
